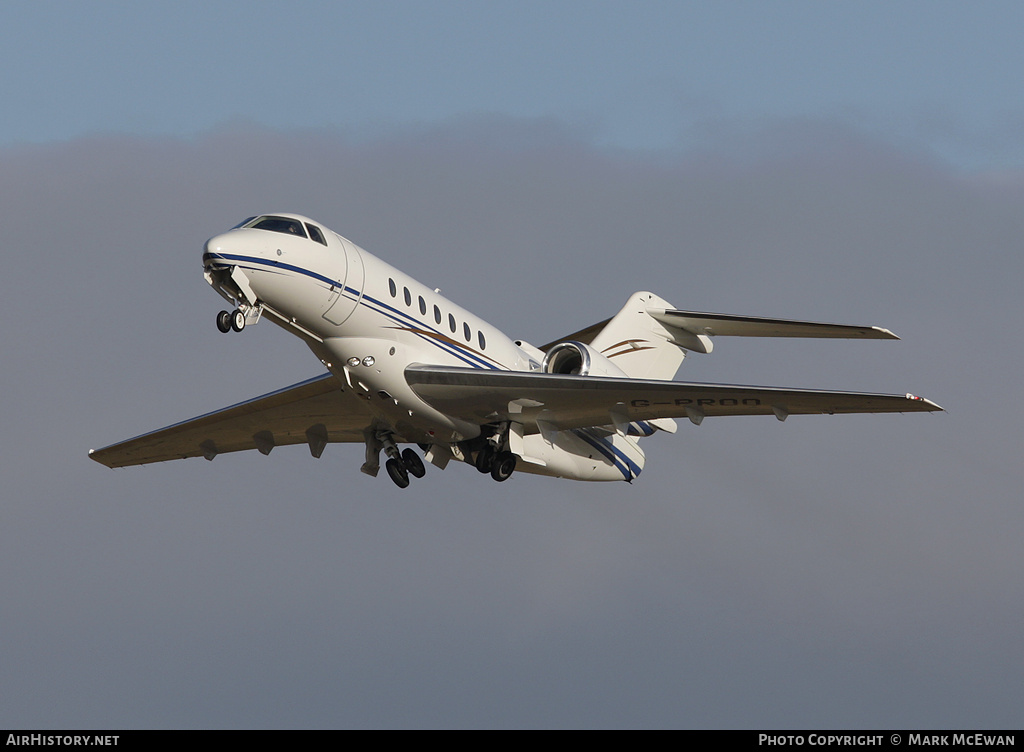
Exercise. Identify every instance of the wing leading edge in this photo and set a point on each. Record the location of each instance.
(570, 401)
(313, 412)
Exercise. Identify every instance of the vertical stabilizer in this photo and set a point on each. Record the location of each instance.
(638, 343)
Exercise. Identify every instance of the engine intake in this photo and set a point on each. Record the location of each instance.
(578, 359)
(568, 358)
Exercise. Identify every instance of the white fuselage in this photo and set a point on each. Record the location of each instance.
(367, 322)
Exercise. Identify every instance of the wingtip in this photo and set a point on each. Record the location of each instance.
(884, 333)
(929, 405)
(95, 458)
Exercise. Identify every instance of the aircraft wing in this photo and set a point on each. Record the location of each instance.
(568, 401)
(314, 412)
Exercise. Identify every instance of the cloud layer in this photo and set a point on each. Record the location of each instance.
(854, 571)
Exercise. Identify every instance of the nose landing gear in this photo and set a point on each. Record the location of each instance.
(238, 318)
(224, 321)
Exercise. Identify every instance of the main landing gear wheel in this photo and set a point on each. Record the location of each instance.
(397, 472)
(413, 463)
(503, 466)
(484, 459)
(238, 320)
(224, 321)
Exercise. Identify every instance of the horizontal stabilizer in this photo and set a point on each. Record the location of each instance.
(727, 325)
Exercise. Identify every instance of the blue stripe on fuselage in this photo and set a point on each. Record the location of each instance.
(449, 346)
(641, 428)
(623, 463)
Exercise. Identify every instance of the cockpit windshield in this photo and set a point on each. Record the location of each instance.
(315, 234)
(277, 224)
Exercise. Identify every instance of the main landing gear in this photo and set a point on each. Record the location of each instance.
(401, 465)
(500, 465)
(228, 321)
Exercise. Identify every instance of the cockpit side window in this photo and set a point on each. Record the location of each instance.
(280, 224)
(315, 234)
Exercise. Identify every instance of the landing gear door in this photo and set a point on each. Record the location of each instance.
(348, 291)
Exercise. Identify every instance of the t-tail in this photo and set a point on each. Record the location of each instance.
(638, 343)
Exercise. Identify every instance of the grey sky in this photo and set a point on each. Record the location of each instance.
(849, 571)
(829, 571)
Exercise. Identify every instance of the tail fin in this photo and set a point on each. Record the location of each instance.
(638, 343)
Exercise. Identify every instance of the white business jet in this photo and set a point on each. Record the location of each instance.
(407, 366)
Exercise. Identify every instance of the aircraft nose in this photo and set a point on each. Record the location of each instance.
(213, 248)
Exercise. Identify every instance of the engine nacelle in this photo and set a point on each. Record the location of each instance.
(579, 359)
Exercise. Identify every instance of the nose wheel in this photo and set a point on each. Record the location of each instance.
(224, 321)
(228, 321)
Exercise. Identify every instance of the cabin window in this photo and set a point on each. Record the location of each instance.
(483, 342)
(465, 330)
(280, 224)
(423, 306)
(437, 314)
(315, 234)
(394, 290)
(451, 322)
(408, 297)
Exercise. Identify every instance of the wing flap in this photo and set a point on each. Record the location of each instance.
(570, 401)
(298, 414)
